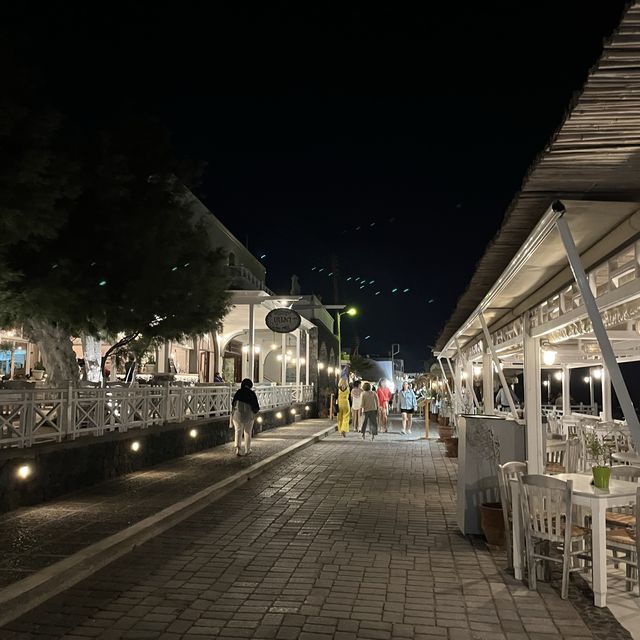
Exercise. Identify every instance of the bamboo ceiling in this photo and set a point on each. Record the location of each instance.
(595, 155)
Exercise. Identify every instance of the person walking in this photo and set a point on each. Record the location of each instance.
(344, 409)
(384, 396)
(408, 404)
(244, 409)
(370, 410)
(356, 405)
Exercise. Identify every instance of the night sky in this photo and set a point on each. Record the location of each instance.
(415, 125)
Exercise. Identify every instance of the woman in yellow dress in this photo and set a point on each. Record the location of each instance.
(344, 409)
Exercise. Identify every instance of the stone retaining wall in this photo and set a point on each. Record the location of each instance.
(61, 467)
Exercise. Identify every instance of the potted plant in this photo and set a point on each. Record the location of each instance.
(600, 455)
(37, 371)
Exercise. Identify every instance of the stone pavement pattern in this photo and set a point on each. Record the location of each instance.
(35, 537)
(347, 539)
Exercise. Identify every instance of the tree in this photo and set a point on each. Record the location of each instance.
(129, 260)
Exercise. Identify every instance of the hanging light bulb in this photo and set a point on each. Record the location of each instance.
(548, 354)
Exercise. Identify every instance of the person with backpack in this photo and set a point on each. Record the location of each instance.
(244, 409)
(408, 404)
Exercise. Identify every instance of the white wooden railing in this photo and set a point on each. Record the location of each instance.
(28, 417)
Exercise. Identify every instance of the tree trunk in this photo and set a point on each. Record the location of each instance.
(57, 352)
(92, 351)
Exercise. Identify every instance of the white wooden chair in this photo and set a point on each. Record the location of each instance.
(556, 456)
(626, 540)
(547, 518)
(506, 473)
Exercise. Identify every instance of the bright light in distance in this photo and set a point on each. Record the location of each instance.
(288, 353)
(293, 412)
(302, 360)
(193, 433)
(279, 357)
(320, 365)
(597, 373)
(23, 471)
(307, 407)
(245, 349)
(256, 349)
(545, 383)
(259, 419)
(135, 446)
(465, 375)
(587, 379)
(477, 370)
(279, 415)
(274, 345)
(558, 375)
(329, 369)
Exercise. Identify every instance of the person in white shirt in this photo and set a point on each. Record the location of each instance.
(356, 405)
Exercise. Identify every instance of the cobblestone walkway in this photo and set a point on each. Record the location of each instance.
(35, 537)
(347, 539)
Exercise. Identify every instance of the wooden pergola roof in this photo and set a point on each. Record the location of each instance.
(594, 155)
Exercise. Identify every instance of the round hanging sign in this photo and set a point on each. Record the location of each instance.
(283, 320)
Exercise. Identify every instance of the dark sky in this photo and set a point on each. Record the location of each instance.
(317, 118)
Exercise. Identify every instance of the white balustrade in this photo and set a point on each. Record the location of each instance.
(32, 416)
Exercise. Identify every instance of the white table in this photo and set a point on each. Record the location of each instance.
(620, 493)
(627, 457)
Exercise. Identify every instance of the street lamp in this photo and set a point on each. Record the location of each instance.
(351, 311)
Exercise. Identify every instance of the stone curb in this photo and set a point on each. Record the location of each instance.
(26, 594)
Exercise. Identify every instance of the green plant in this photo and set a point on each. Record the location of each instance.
(151, 359)
(38, 366)
(599, 451)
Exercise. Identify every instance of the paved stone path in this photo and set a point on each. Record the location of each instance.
(346, 539)
(34, 537)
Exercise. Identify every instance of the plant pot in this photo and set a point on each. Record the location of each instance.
(452, 447)
(37, 374)
(445, 433)
(601, 477)
(492, 523)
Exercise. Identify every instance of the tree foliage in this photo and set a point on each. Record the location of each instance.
(120, 253)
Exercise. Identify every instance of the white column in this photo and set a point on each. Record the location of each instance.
(607, 409)
(252, 340)
(306, 357)
(533, 400)
(470, 385)
(487, 384)
(608, 354)
(496, 362)
(283, 379)
(566, 390)
(298, 357)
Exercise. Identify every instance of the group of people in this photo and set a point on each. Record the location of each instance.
(365, 405)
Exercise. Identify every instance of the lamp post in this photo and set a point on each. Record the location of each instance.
(351, 311)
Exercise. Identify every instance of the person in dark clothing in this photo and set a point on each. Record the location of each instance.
(244, 409)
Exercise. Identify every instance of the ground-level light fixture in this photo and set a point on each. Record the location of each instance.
(193, 433)
(135, 445)
(279, 415)
(24, 471)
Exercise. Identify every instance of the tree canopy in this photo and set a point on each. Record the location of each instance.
(119, 252)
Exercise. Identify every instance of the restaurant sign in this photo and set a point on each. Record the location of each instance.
(283, 320)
